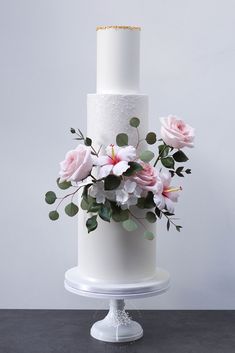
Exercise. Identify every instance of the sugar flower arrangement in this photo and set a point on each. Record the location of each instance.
(115, 182)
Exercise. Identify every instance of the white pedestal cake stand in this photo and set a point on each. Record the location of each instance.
(117, 325)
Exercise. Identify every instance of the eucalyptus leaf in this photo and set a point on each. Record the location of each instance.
(178, 228)
(84, 204)
(71, 209)
(111, 182)
(118, 214)
(151, 217)
(122, 139)
(151, 138)
(148, 235)
(146, 156)
(91, 223)
(50, 197)
(105, 213)
(72, 130)
(64, 185)
(134, 122)
(53, 215)
(129, 225)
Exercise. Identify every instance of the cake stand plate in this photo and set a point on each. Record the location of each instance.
(117, 326)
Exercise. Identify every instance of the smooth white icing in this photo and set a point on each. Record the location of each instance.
(110, 253)
(118, 63)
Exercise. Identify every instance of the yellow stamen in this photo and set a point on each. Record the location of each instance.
(173, 189)
(113, 153)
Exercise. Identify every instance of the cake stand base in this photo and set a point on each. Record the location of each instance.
(117, 326)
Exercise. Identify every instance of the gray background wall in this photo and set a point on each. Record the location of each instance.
(47, 66)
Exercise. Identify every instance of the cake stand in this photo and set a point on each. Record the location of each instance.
(117, 326)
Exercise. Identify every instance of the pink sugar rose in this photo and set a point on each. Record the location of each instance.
(77, 164)
(176, 133)
(148, 178)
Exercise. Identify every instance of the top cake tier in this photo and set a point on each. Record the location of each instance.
(118, 59)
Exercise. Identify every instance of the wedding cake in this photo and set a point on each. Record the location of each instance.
(110, 253)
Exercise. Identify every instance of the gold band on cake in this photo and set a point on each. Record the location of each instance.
(119, 27)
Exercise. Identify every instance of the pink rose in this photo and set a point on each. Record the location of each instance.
(77, 164)
(148, 178)
(176, 133)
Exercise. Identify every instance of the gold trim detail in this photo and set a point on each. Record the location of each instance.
(119, 27)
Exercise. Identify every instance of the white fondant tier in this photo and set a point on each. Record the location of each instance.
(110, 253)
(118, 60)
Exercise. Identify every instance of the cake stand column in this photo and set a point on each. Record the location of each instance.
(117, 326)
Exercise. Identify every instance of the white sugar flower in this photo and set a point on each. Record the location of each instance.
(116, 160)
(169, 194)
(127, 194)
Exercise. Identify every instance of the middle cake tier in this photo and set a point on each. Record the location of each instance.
(110, 253)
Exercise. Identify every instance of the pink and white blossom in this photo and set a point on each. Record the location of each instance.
(176, 133)
(169, 194)
(77, 164)
(116, 160)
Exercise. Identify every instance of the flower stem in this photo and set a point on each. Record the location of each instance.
(159, 156)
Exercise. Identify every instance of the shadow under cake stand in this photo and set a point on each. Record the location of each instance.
(117, 326)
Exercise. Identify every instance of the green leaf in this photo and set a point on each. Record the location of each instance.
(50, 197)
(111, 182)
(158, 212)
(134, 168)
(85, 190)
(64, 185)
(151, 217)
(119, 215)
(146, 156)
(84, 204)
(88, 141)
(178, 228)
(134, 122)
(179, 169)
(91, 223)
(148, 235)
(163, 150)
(168, 162)
(141, 202)
(122, 139)
(180, 156)
(168, 224)
(105, 213)
(72, 130)
(93, 206)
(53, 215)
(168, 213)
(151, 138)
(71, 209)
(146, 202)
(129, 225)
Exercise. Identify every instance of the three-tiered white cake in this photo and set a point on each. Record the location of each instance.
(111, 254)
